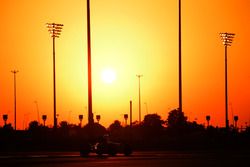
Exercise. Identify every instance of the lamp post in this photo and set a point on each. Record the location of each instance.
(37, 110)
(236, 118)
(208, 119)
(55, 31)
(227, 39)
(90, 112)
(98, 117)
(180, 61)
(14, 72)
(44, 117)
(5, 118)
(139, 78)
(125, 118)
(80, 118)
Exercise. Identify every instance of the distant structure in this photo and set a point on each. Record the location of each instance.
(139, 78)
(90, 112)
(227, 39)
(80, 119)
(55, 30)
(15, 72)
(180, 61)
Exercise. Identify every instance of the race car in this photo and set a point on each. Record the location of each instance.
(105, 146)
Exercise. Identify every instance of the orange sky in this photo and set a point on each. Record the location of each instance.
(132, 37)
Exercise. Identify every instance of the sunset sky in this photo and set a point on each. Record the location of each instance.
(129, 37)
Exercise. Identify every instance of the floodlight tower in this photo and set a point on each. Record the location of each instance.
(15, 72)
(180, 58)
(90, 112)
(139, 78)
(55, 31)
(227, 39)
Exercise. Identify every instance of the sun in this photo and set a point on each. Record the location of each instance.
(108, 75)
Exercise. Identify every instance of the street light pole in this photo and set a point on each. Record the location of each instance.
(139, 78)
(55, 31)
(90, 112)
(180, 61)
(227, 39)
(14, 72)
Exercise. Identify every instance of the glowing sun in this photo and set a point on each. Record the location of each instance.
(108, 75)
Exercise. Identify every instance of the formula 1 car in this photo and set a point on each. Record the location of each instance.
(105, 146)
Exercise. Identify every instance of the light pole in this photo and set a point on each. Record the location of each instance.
(236, 118)
(208, 119)
(80, 118)
(90, 112)
(98, 117)
(125, 118)
(227, 39)
(180, 61)
(37, 110)
(139, 78)
(55, 31)
(44, 117)
(130, 113)
(14, 72)
(146, 105)
(5, 118)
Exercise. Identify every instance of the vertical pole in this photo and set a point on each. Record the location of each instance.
(15, 96)
(139, 99)
(90, 113)
(130, 103)
(180, 61)
(14, 73)
(54, 82)
(226, 93)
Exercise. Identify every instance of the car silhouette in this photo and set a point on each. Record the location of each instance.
(106, 146)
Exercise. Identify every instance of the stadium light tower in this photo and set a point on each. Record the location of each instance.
(139, 78)
(90, 112)
(180, 59)
(55, 31)
(15, 72)
(227, 39)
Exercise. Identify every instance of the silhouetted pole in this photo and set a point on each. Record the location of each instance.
(125, 118)
(44, 117)
(130, 105)
(14, 72)
(90, 112)
(37, 110)
(98, 117)
(227, 39)
(5, 118)
(236, 118)
(208, 119)
(146, 105)
(80, 118)
(54, 30)
(180, 61)
(139, 78)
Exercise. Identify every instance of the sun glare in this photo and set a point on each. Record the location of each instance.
(108, 75)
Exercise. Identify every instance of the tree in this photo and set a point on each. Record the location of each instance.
(116, 130)
(153, 121)
(152, 126)
(116, 125)
(33, 125)
(176, 119)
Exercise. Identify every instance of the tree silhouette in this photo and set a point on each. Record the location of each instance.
(176, 119)
(33, 125)
(152, 127)
(153, 121)
(116, 130)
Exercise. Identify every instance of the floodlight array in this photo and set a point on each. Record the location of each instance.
(54, 29)
(227, 38)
